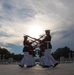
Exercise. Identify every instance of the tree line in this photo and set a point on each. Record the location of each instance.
(60, 52)
(65, 52)
(5, 54)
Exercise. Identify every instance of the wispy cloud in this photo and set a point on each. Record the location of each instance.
(17, 15)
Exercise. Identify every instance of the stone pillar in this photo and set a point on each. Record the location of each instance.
(10, 60)
(0, 57)
(3, 58)
(62, 59)
(73, 56)
(70, 55)
(70, 59)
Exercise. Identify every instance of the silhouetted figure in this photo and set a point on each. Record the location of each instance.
(47, 60)
(27, 60)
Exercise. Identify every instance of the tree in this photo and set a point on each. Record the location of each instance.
(5, 52)
(62, 52)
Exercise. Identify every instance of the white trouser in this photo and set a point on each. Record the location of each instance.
(41, 60)
(49, 60)
(26, 59)
(32, 60)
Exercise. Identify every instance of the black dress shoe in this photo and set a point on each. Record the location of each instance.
(45, 66)
(55, 65)
(50, 65)
(29, 66)
(21, 65)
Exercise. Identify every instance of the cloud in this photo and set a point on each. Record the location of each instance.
(16, 16)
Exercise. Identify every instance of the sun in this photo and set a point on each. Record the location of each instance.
(35, 31)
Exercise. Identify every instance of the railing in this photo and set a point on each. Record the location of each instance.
(67, 60)
(8, 61)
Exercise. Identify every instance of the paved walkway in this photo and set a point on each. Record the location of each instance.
(61, 69)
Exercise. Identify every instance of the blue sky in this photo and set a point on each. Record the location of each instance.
(18, 17)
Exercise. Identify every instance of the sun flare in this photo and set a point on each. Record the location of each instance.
(35, 31)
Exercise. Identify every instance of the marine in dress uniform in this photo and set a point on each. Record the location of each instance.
(48, 59)
(27, 59)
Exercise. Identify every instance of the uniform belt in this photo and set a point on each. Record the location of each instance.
(47, 41)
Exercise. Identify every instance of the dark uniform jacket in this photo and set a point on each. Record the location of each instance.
(27, 46)
(44, 43)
